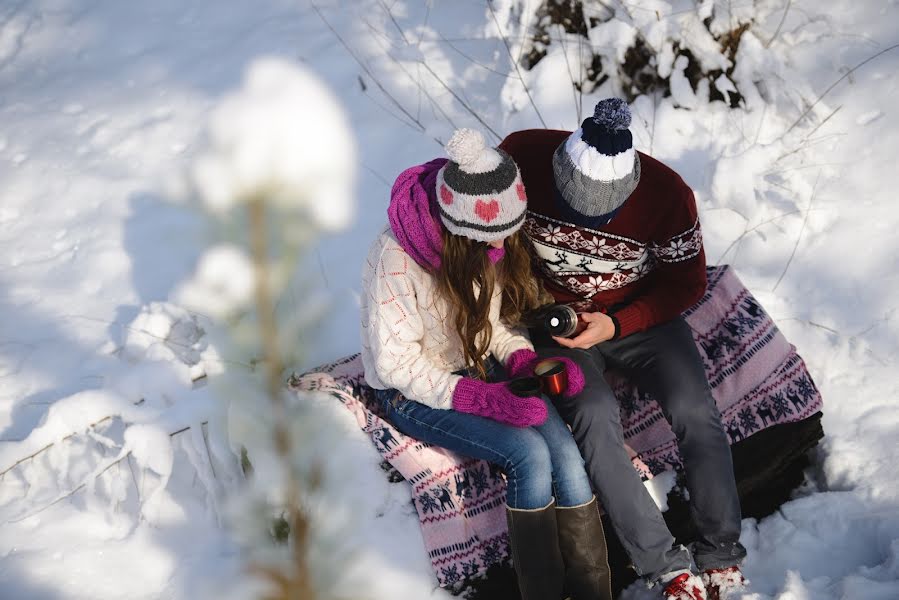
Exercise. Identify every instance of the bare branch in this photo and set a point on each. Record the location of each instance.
(203, 428)
(515, 64)
(424, 23)
(810, 134)
(273, 367)
(167, 341)
(464, 104)
(422, 89)
(50, 445)
(397, 25)
(798, 237)
(835, 83)
(779, 25)
(749, 230)
(75, 490)
(577, 107)
(365, 67)
(30, 456)
(506, 75)
(582, 72)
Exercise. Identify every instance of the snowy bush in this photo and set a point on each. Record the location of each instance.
(115, 457)
(705, 80)
(278, 169)
(193, 383)
(676, 48)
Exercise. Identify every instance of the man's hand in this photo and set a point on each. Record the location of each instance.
(600, 328)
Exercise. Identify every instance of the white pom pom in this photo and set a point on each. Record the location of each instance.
(466, 146)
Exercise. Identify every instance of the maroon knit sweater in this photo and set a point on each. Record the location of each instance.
(643, 268)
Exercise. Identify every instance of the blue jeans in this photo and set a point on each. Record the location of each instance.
(541, 463)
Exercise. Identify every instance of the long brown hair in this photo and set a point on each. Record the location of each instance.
(466, 279)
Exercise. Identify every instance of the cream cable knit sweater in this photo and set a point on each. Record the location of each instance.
(408, 341)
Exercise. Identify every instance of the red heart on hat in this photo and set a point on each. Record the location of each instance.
(446, 196)
(519, 187)
(486, 210)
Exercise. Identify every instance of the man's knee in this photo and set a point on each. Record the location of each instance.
(678, 381)
(692, 409)
(594, 415)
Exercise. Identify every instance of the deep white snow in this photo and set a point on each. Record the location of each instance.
(104, 115)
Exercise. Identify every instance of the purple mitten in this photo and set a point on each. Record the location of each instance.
(576, 379)
(522, 362)
(495, 401)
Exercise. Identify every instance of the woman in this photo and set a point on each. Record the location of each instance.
(442, 284)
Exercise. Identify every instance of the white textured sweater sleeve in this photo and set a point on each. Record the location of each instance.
(505, 340)
(395, 332)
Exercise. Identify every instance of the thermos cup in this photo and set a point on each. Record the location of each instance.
(550, 377)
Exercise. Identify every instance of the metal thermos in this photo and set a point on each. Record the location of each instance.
(559, 320)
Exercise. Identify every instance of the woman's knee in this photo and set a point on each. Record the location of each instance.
(530, 456)
(528, 467)
(567, 456)
(535, 460)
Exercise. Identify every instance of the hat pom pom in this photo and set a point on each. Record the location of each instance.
(613, 114)
(466, 146)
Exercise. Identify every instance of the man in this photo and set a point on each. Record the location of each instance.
(617, 237)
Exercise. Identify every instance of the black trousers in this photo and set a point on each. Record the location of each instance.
(664, 362)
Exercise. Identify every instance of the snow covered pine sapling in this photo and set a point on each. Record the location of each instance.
(268, 194)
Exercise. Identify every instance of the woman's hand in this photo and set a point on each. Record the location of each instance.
(522, 364)
(495, 401)
(600, 328)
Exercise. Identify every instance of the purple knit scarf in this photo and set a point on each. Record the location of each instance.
(413, 213)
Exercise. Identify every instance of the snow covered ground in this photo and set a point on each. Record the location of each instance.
(102, 109)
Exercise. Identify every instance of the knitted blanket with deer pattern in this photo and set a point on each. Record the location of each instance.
(756, 376)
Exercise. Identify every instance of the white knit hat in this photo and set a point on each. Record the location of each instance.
(480, 193)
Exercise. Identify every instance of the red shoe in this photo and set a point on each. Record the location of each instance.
(724, 584)
(685, 586)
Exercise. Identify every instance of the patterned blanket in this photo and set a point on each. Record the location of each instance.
(757, 380)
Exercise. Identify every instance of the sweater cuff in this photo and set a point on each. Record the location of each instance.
(628, 320)
(617, 325)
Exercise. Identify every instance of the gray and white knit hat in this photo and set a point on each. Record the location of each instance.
(596, 168)
(480, 193)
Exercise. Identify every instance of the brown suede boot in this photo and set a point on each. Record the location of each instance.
(583, 546)
(534, 538)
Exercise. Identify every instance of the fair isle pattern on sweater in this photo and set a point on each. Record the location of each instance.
(588, 261)
(683, 246)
